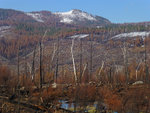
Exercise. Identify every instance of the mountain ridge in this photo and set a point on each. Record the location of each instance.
(72, 17)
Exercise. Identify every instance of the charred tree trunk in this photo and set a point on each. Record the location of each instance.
(26, 74)
(41, 74)
(18, 66)
(80, 59)
(110, 75)
(126, 70)
(18, 84)
(57, 60)
(41, 59)
(33, 64)
(146, 67)
(91, 56)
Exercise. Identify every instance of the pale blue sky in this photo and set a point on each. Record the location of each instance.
(117, 11)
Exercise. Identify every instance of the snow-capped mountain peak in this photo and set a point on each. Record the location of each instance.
(70, 16)
(74, 17)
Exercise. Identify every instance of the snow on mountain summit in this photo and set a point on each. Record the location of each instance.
(71, 16)
(75, 17)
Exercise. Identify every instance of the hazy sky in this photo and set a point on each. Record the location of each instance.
(118, 11)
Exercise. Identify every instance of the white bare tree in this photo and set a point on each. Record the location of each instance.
(102, 66)
(52, 58)
(138, 69)
(73, 61)
(54, 51)
(125, 58)
(85, 66)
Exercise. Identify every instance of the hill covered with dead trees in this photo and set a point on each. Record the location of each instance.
(55, 67)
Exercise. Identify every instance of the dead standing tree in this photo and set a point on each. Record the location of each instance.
(57, 61)
(100, 71)
(91, 55)
(33, 64)
(73, 61)
(41, 59)
(99, 77)
(137, 68)
(82, 70)
(18, 73)
(125, 59)
(81, 59)
(146, 67)
(25, 65)
(18, 66)
(52, 58)
(41, 74)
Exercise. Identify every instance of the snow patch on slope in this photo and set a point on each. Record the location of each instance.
(36, 16)
(69, 17)
(131, 34)
(80, 36)
(4, 30)
(66, 20)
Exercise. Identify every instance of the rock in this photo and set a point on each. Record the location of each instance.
(54, 85)
(138, 82)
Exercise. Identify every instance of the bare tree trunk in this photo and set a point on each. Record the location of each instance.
(53, 55)
(80, 59)
(41, 74)
(124, 51)
(116, 71)
(110, 75)
(57, 60)
(91, 57)
(74, 67)
(84, 70)
(137, 70)
(33, 64)
(25, 65)
(54, 51)
(43, 52)
(18, 84)
(99, 73)
(146, 67)
(18, 68)
(41, 59)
